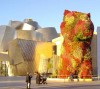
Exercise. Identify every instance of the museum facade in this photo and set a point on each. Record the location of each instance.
(26, 46)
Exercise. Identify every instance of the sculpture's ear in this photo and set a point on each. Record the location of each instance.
(66, 12)
(88, 15)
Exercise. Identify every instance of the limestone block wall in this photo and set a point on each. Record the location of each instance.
(58, 42)
(98, 51)
(94, 54)
(42, 53)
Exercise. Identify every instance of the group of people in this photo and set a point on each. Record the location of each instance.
(40, 79)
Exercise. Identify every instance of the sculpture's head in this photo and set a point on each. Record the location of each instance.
(77, 26)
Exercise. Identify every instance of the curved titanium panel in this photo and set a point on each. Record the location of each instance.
(48, 33)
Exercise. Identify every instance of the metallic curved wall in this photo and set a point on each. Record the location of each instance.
(28, 27)
(32, 23)
(25, 34)
(37, 36)
(6, 35)
(48, 33)
(25, 55)
(15, 24)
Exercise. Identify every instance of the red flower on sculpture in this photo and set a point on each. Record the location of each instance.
(66, 12)
(62, 25)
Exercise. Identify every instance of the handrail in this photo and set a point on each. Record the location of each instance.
(76, 76)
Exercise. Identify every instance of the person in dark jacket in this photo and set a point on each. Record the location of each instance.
(28, 80)
(38, 78)
(72, 77)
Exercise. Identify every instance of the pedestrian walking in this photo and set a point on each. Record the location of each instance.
(72, 77)
(28, 80)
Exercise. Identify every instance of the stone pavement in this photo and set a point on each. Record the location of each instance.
(19, 83)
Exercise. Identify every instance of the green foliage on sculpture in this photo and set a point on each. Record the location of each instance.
(77, 30)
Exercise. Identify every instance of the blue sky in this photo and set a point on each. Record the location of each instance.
(48, 13)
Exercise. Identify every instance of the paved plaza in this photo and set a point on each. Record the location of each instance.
(19, 83)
